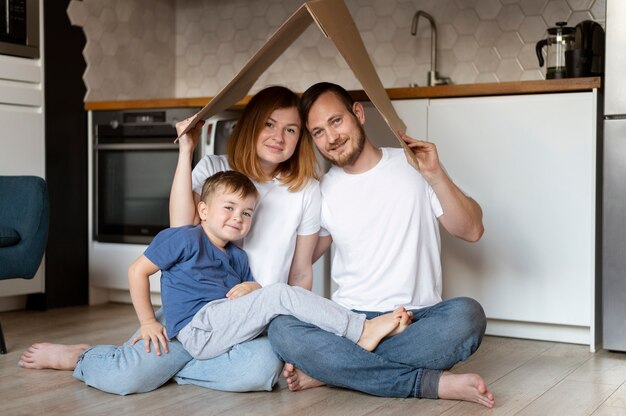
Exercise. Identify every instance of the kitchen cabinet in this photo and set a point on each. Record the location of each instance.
(530, 161)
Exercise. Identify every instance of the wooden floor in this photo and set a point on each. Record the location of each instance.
(527, 377)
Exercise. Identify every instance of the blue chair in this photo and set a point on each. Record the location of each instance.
(24, 218)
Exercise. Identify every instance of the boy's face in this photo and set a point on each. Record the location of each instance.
(226, 216)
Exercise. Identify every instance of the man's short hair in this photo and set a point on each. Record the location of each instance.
(229, 181)
(311, 95)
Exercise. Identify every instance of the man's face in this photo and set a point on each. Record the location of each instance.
(337, 132)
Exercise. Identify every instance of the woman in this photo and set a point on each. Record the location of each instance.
(287, 215)
(269, 146)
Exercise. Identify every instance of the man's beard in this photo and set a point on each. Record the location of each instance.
(348, 159)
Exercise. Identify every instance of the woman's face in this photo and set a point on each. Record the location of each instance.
(277, 140)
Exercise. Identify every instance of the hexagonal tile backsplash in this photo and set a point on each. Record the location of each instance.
(140, 49)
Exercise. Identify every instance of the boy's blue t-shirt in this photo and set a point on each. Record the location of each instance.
(193, 272)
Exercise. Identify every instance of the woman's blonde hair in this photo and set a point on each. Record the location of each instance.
(241, 146)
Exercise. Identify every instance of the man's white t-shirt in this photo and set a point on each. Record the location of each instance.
(279, 217)
(386, 235)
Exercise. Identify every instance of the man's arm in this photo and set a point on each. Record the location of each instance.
(462, 216)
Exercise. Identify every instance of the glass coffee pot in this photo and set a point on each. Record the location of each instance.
(560, 39)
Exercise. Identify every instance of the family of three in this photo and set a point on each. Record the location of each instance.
(386, 332)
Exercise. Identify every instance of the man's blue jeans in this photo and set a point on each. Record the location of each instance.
(127, 369)
(406, 365)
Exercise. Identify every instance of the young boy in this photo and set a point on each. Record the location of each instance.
(210, 299)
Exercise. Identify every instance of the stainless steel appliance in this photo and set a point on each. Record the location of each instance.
(134, 163)
(218, 130)
(19, 28)
(614, 189)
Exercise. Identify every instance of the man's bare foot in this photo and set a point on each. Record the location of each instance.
(374, 330)
(54, 356)
(468, 387)
(297, 380)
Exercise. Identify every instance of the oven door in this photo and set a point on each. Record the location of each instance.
(132, 191)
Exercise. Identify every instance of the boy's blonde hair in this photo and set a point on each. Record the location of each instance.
(241, 146)
(229, 181)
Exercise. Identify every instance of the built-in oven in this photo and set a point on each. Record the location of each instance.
(134, 162)
(19, 28)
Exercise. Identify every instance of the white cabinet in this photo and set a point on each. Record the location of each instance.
(530, 161)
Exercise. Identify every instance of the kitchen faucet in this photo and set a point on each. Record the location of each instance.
(433, 77)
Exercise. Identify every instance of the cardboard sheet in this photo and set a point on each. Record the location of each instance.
(334, 20)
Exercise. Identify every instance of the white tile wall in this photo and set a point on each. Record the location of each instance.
(182, 48)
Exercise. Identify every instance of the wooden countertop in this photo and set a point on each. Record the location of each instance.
(442, 91)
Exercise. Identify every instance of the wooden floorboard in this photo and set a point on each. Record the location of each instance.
(527, 377)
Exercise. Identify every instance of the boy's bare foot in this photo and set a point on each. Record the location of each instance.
(297, 380)
(54, 356)
(374, 330)
(468, 387)
(406, 319)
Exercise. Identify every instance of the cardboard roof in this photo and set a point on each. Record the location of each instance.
(334, 20)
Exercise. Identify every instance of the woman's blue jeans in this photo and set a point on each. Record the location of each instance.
(127, 369)
(406, 365)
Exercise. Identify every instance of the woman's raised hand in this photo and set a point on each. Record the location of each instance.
(188, 141)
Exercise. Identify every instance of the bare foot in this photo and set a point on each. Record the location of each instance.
(54, 356)
(297, 380)
(468, 387)
(382, 326)
(406, 319)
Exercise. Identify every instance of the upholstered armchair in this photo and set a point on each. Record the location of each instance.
(23, 228)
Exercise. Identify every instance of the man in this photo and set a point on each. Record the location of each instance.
(383, 215)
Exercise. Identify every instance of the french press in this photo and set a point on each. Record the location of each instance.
(560, 39)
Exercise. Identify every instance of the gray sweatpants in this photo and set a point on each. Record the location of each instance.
(224, 323)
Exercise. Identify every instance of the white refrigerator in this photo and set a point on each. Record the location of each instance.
(614, 178)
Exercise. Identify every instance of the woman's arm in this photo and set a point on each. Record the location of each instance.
(323, 243)
(301, 272)
(183, 200)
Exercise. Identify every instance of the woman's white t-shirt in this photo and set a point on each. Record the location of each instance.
(279, 217)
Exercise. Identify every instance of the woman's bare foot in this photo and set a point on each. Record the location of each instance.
(468, 387)
(297, 380)
(374, 330)
(54, 356)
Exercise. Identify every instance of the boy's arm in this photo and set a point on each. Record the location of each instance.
(248, 283)
(139, 283)
(242, 289)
